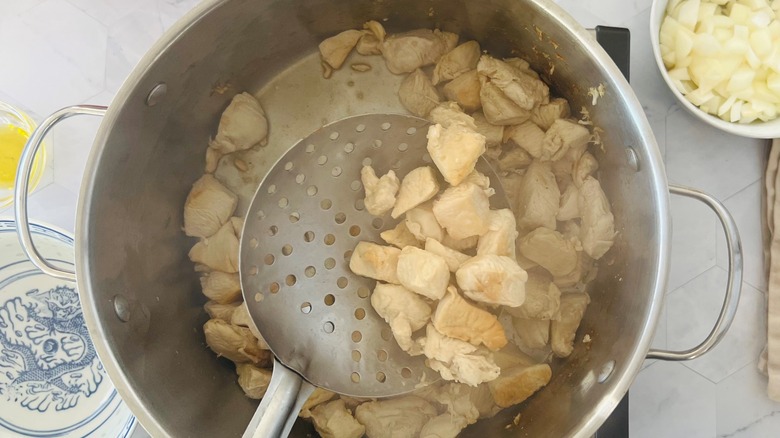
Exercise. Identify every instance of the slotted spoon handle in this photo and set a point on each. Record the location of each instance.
(279, 408)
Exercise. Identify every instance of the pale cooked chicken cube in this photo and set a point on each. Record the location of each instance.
(443, 426)
(528, 136)
(550, 250)
(570, 204)
(422, 223)
(396, 417)
(333, 420)
(562, 331)
(373, 36)
(449, 114)
(208, 206)
(522, 89)
(514, 159)
(334, 50)
(216, 310)
(537, 198)
(480, 180)
(380, 192)
(564, 137)
(499, 109)
(242, 125)
(242, 318)
(423, 272)
(494, 134)
(464, 244)
(375, 261)
(456, 62)
(501, 235)
(400, 236)
(457, 318)
(463, 211)
(219, 252)
(516, 384)
(581, 274)
(493, 279)
(408, 51)
(318, 397)
(221, 287)
(464, 90)
(417, 94)
(455, 397)
(235, 343)
(418, 186)
(598, 224)
(531, 334)
(212, 160)
(253, 380)
(457, 360)
(453, 258)
(586, 166)
(545, 114)
(455, 150)
(403, 310)
(542, 298)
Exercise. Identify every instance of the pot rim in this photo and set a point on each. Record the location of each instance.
(622, 377)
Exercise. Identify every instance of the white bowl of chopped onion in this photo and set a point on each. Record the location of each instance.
(721, 59)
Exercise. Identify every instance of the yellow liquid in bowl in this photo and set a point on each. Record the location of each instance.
(12, 140)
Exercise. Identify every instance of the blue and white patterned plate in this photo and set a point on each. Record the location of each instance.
(51, 380)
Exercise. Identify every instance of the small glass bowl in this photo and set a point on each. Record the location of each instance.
(10, 116)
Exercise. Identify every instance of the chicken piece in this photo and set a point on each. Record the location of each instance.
(242, 318)
(418, 186)
(253, 380)
(456, 62)
(501, 235)
(408, 51)
(499, 109)
(219, 252)
(516, 384)
(457, 360)
(455, 150)
(449, 114)
(545, 114)
(562, 331)
(550, 250)
(542, 298)
(352, 402)
(562, 137)
(457, 318)
(464, 90)
(212, 160)
(570, 204)
(373, 36)
(403, 310)
(376, 29)
(454, 397)
(216, 310)
(235, 343)
(586, 166)
(583, 271)
(522, 89)
(494, 134)
(537, 198)
(480, 180)
(238, 226)
(380, 192)
(520, 65)
(417, 94)
(528, 136)
(463, 211)
(208, 206)
(598, 225)
(333, 420)
(453, 258)
(531, 334)
(400, 236)
(396, 417)
(243, 124)
(422, 223)
(423, 272)
(316, 398)
(464, 244)
(443, 426)
(493, 279)
(221, 287)
(334, 50)
(375, 261)
(514, 159)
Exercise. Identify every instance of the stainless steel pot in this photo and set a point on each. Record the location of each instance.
(140, 294)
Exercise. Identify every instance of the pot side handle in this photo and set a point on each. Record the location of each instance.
(733, 284)
(23, 180)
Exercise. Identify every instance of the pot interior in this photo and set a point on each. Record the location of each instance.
(145, 159)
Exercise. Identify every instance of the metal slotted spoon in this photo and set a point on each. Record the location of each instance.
(315, 314)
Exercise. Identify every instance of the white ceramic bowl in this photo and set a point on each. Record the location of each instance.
(759, 129)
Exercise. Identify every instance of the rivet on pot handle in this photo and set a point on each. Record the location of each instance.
(23, 182)
(733, 286)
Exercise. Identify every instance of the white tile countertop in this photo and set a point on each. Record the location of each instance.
(61, 52)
